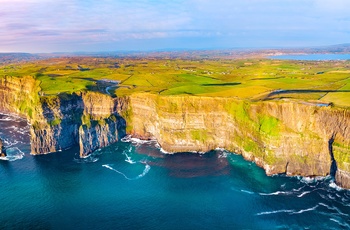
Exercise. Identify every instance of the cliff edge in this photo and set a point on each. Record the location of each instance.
(58, 122)
(283, 136)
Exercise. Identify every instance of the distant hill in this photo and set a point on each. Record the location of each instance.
(341, 48)
(6, 58)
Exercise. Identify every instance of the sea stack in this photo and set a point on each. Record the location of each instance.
(2, 149)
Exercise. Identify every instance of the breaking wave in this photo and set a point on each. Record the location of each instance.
(145, 171)
(91, 158)
(13, 154)
(274, 212)
(137, 141)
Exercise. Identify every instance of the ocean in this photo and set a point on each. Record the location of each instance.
(133, 185)
(312, 57)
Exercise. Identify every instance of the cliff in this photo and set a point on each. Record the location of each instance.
(89, 119)
(281, 136)
(61, 121)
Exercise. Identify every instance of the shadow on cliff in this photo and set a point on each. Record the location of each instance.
(334, 168)
(63, 113)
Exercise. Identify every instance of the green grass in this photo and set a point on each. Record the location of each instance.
(269, 125)
(247, 79)
(200, 135)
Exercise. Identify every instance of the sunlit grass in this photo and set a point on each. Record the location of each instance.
(249, 79)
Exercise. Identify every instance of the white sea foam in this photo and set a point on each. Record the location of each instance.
(128, 158)
(90, 158)
(86, 159)
(305, 210)
(304, 193)
(334, 209)
(223, 154)
(340, 223)
(274, 212)
(335, 186)
(9, 143)
(220, 149)
(309, 180)
(298, 189)
(246, 191)
(163, 151)
(139, 142)
(6, 119)
(136, 141)
(145, 171)
(13, 154)
(276, 193)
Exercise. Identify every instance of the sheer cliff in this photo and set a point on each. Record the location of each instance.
(281, 136)
(61, 121)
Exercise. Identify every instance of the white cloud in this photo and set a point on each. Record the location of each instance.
(106, 21)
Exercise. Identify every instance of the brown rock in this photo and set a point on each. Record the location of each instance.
(2, 149)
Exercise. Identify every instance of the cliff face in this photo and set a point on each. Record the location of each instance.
(19, 95)
(101, 133)
(61, 121)
(88, 119)
(280, 136)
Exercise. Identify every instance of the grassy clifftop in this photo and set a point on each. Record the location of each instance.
(288, 116)
(255, 79)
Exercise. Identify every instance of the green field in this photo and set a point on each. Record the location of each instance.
(256, 79)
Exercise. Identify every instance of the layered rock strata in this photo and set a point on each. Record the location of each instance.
(61, 121)
(281, 136)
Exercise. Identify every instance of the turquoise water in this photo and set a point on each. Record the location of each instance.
(313, 57)
(132, 185)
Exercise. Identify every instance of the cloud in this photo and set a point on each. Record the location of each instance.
(227, 23)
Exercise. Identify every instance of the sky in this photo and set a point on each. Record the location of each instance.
(140, 25)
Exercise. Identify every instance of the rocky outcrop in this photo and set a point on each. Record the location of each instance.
(100, 134)
(2, 149)
(89, 119)
(61, 121)
(281, 136)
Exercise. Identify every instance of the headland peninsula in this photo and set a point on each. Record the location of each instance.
(290, 117)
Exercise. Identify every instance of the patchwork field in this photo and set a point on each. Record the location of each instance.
(255, 79)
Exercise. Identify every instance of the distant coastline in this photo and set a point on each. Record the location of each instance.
(312, 57)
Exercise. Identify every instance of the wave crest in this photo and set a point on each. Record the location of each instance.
(13, 154)
(145, 171)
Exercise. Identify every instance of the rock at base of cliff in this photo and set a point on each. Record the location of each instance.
(342, 179)
(2, 149)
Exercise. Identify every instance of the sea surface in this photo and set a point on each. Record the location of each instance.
(133, 185)
(313, 57)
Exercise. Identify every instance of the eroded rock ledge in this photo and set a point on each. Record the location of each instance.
(281, 136)
(61, 121)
